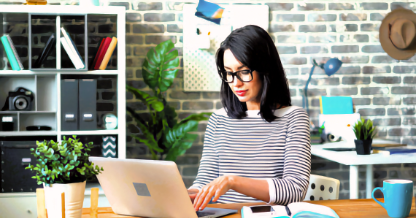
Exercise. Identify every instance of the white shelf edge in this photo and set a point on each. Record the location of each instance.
(28, 133)
(91, 132)
(37, 112)
(13, 73)
(28, 112)
(60, 10)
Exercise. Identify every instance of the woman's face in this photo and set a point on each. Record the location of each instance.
(245, 91)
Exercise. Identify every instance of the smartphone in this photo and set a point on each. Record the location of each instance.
(262, 209)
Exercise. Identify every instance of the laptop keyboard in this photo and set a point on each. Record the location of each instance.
(202, 214)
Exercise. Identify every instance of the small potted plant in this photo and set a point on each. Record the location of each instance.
(365, 132)
(63, 167)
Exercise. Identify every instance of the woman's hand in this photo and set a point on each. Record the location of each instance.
(215, 189)
(192, 193)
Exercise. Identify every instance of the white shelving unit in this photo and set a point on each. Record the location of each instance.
(46, 85)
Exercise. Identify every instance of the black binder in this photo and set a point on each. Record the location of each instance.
(69, 104)
(87, 104)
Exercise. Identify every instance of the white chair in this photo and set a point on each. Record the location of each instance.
(322, 188)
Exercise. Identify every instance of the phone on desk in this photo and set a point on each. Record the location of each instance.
(292, 210)
(264, 211)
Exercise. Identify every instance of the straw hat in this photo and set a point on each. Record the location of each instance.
(397, 34)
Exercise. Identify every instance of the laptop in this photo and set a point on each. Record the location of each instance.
(148, 188)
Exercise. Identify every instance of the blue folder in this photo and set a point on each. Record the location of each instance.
(336, 105)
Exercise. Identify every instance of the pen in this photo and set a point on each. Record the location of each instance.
(288, 211)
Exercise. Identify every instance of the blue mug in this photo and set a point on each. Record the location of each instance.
(397, 197)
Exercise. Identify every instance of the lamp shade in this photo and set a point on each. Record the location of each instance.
(332, 66)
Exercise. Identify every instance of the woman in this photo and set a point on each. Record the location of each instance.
(258, 146)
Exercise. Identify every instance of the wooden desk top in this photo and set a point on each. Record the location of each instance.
(344, 208)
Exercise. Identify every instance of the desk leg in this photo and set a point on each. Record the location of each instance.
(353, 181)
(369, 180)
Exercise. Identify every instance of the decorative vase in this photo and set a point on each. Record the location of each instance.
(363, 147)
(74, 199)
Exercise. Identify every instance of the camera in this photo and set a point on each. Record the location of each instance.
(19, 100)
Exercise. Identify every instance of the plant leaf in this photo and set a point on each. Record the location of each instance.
(146, 98)
(180, 147)
(159, 66)
(197, 117)
(175, 134)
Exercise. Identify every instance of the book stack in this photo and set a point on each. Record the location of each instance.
(103, 54)
(11, 53)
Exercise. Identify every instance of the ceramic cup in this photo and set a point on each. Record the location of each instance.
(397, 197)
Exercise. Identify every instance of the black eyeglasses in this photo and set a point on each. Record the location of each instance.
(243, 75)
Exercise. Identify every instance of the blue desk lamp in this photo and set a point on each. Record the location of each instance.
(330, 68)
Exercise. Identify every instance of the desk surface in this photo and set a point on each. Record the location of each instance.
(344, 208)
(351, 157)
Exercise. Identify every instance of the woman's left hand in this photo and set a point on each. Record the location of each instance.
(216, 188)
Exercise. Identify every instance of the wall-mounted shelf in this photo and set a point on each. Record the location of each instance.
(93, 132)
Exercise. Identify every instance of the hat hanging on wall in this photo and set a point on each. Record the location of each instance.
(397, 34)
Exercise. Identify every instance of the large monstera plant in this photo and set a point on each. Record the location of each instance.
(165, 137)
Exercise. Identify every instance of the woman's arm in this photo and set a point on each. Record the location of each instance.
(208, 168)
(251, 187)
(293, 185)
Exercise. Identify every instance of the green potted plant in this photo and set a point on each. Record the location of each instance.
(165, 137)
(364, 132)
(63, 167)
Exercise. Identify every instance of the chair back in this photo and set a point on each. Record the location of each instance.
(322, 188)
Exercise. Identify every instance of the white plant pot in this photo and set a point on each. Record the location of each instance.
(74, 199)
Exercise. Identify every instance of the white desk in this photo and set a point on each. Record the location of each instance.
(351, 158)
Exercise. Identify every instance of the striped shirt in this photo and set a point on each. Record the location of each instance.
(278, 152)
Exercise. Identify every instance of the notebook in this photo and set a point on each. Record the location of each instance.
(97, 53)
(292, 210)
(108, 54)
(15, 52)
(390, 151)
(76, 57)
(9, 53)
(102, 51)
(49, 46)
(69, 52)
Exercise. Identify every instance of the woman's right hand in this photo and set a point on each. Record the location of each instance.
(192, 193)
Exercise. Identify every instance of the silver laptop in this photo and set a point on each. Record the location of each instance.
(148, 188)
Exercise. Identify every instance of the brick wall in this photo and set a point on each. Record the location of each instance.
(382, 88)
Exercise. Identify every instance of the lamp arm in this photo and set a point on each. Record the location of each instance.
(305, 101)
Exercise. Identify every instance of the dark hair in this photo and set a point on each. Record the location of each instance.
(254, 48)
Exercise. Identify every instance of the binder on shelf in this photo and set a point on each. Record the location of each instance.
(69, 104)
(87, 104)
(79, 64)
(92, 65)
(102, 53)
(108, 54)
(15, 52)
(9, 53)
(50, 45)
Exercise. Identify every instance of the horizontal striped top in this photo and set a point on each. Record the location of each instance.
(278, 152)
